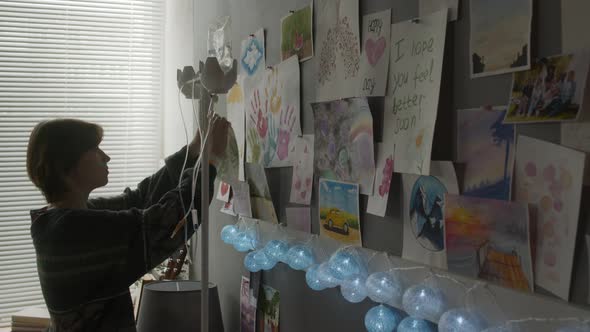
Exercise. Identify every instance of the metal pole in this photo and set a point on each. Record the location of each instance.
(203, 109)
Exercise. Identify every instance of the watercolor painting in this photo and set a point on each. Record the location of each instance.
(297, 34)
(549, 178)
(338, 43)
(411, 104)
(299, 218)
(302, 179)
(344, 142)
(552, 90)
(339, 211)
(377, 203)
(376, 33)
(248, 303)
(485, 147)
(268, 310)
(500, 36)
(272, 116)
(489, 239)
(252, 55)
(426, 7)
(423, 212)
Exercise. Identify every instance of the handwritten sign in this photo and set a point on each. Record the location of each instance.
(375, 53)
(416, 60)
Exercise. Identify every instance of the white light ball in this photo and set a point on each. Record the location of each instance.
(383, 287)
(461, 320)
(422, 301)
(381, 319)
(354, 290)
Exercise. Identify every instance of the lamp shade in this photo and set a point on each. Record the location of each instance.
(176, 306)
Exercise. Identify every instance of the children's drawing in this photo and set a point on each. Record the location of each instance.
(339, 50)
(413, 90)
(500, 36)
(489, 239)
(376, 33)
(344, 142)
(223, 192)
(268, 310)
(549, 178)
(272, 116)
(339, 211)
(236, 116)
(423, 206)
(377, 203)
(240, 202)
(302, 180)
(552, 90)
(252, 56)
(299, 218)
(486, 148)
(262, 206)
(248, 303)
(297, 34)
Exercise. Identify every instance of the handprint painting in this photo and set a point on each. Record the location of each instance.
(344, 142)
(272, 116)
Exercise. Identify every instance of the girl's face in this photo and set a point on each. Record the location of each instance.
(91, 171)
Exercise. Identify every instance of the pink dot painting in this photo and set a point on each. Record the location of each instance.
(530, 169)
(558, 205)
(550, 258)
(549, 173)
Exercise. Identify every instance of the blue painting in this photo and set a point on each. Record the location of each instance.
(252, 55)
(426, 212)
(486, 148)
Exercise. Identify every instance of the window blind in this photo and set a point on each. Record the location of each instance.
(95, 60)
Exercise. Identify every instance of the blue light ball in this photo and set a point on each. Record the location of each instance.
(300, 257)
(346, 265)
(326, 277)
(312, 279)
(243, 242)
(461, 320)
(575, 328)
(250, 263)
(262, 259)
(229, 233)
(354, 291)
(411, 324)
(422, 301)
(381, 319)
(277, 250)
(384, 287)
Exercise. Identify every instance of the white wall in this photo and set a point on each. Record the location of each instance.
(178, 52)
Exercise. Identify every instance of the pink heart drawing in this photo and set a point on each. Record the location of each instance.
(374, 50)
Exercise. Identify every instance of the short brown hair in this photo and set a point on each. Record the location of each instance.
(55, 146)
